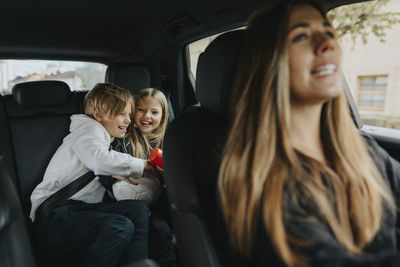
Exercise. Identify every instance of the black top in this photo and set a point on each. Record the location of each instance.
(325, 250)
(120, 145)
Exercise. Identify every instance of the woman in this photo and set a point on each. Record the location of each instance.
(297, 180)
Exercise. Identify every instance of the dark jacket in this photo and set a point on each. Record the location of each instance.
(120, 145)
(325, 250)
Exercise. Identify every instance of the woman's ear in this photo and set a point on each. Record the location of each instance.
(97, 115)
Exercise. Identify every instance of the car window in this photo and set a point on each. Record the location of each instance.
(371, 59)
(80, 76)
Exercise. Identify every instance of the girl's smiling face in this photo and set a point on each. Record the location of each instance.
(314, 57)
(148, 115)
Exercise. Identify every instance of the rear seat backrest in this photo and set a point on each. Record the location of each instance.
(39, 117)
(6, 151)
(15, 247)
(130, 76)
(134, 78)
(14, 240)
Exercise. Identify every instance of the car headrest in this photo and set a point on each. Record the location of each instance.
(216, 70)
(41, 94)
(130, 76)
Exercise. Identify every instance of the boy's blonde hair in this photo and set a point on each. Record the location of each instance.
(142, 145)
(108, 99)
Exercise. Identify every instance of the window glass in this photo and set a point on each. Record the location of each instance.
(372, 93)
(371, 59)
(80, 76)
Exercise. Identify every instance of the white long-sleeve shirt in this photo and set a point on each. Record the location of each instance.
(85, 148)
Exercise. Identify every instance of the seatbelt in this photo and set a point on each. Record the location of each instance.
(62, 195)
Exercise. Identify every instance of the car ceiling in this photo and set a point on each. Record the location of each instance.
(115, 30)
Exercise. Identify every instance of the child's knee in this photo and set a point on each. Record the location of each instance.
(138, 212)
(142, 208)
(119, 227)
(160, 226)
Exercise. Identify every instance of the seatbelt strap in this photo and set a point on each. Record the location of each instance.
(62, 195)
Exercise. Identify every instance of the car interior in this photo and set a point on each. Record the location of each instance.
(143, 44)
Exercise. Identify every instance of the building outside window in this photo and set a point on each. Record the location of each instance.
(80, 76)
(372, 71)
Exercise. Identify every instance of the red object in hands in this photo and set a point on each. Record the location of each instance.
(156, 157)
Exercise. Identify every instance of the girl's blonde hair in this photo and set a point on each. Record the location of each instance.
(141, 145)
(261, 170)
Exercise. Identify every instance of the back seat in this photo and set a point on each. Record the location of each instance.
(38, 117)
(15, 247)
(33, 123)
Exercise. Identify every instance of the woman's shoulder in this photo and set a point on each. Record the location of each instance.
(370, 140)
(388, 167)
(378, 154)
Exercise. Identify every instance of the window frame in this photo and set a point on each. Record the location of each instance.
(371, 92)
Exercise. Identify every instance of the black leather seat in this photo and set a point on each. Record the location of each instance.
(15, 248)
(128, 75)
(192, 152)
(134, 78)
(38, 116)
(34, 126)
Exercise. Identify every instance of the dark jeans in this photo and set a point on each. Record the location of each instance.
(161, 242)
(102, 234)
(161, 237)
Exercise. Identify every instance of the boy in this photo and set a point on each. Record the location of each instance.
(108, 234)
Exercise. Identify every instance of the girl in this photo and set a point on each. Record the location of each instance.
(150, 120)
(298, 184)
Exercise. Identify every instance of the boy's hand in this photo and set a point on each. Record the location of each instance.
(152, 171)
(126, 179)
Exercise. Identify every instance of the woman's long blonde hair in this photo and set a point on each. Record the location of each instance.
(261, 169)
(142, 145)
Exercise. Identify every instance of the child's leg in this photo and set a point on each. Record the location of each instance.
(161, 237)
(102, 236)
(161, 244)
(138, 212)
(114, 234)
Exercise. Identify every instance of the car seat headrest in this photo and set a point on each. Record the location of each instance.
(41, 94)
(130, 76)
(216, 70)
